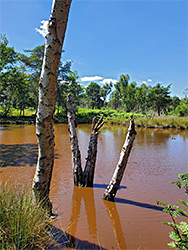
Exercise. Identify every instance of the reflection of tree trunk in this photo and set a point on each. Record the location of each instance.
(76, 205)
(116, 224)
(47, 98)
(112, 188)
(88, 197)
(80, 178)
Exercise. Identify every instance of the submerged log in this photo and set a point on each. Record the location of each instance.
(112, 188)
(76, 156)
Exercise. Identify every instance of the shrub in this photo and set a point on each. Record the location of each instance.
(179, 235)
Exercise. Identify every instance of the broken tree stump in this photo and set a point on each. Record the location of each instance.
(76, 156)
(89, 170)
(82, 178)
(112, 188)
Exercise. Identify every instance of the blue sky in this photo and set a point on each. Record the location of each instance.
(145, 39)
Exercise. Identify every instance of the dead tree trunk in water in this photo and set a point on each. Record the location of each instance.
(112, 188)
(82, 178)
(92, 153)
(76, 156)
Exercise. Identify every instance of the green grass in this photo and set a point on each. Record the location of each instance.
(163, 122)
(110, 116)
(24, 224)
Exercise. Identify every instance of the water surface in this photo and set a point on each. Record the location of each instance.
(133, 220)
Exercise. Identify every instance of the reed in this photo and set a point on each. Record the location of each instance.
(24, 224)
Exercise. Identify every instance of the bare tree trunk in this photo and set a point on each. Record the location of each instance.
(47, 98)
(89, 170)
(76, 156)
(112, 188)
(82, 178)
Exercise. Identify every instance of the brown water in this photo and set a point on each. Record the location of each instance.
(133, 221)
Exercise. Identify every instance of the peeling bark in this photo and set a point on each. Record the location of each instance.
(76, 156)
(112, 188)
(47, 98)
(82, 178)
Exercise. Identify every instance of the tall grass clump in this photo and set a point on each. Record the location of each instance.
(23, 223)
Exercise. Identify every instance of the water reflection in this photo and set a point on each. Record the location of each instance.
(116, 224)
(87, 195)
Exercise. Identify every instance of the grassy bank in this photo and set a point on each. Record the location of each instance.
(157, 122)
(122, 118)
(110, 117)
(24, 224)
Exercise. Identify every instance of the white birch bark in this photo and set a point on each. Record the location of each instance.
(76, 156)
(112, 188)
(47, 98)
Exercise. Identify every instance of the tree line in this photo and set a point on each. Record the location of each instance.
(20, 73)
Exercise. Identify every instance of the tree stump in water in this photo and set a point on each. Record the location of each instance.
(112, 188)
(76, 156)
(82, 178)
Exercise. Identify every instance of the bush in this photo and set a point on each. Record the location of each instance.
(179, 235)
(24, 224)
(181, 110)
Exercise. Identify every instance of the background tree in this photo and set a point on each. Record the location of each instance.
(67, 83)
(141, 98)
(130, 98)
(121, 88)
(93, 95)
(8, 70)
(115, 100)
(21, 91)
(32, 60)
(105, 91)
(159, 97)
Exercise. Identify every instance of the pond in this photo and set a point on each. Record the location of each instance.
(133, 221)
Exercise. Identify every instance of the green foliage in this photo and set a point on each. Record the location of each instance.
(183, 182)
(110, 116)
(19, 78)
(181, 109)
(179, 235)
(105, 91)
(159, 97)
(8, 55)
(93, 95)
(24, 224)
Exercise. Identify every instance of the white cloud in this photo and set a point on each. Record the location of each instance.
(43, 28)
(149, 80)
(144, 82)
(108, 80)
(91, 78)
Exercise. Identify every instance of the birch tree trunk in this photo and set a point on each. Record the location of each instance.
(76, 156)
(112, 188)
(82, 178)
(47, 98)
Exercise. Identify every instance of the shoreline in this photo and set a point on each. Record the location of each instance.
(167, 122)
